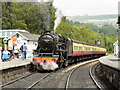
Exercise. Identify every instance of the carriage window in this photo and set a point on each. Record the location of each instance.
(75, 47)
(80, 48)
(93, 49)
(85, 48)
(88, 48)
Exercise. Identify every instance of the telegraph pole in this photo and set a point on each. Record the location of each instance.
(119, 41)
(118, 29)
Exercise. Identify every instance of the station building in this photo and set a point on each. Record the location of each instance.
(19, 37)
(9, 32)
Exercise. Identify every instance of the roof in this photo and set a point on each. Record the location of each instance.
(13, 30)
(76, 41)
(10, 32)
(28, 36)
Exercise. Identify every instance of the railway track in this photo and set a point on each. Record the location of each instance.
(15, 80)
(26, 82)
(28, 88)
(74, 69)
(94, 79)
(43, 77)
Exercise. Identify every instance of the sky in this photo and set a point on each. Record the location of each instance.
(86, 7)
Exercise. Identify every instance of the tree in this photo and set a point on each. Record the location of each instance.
(28, 16)
(86, 35)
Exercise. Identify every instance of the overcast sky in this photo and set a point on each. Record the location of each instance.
(87, 7)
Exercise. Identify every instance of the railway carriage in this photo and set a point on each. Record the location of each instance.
(56, 51)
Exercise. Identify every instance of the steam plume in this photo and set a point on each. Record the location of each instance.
(59, 16)
(46, 12)
(48, 17)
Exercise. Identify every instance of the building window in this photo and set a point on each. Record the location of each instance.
(0, 33)
(8, 33)
(17, 35)
(3, 33)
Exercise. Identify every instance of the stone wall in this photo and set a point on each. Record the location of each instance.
(112, 75)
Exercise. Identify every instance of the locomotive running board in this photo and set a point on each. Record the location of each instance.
(45, 53)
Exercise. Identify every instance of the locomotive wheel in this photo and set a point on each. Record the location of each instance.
(32, 68)
(65, 63)
(60, 65)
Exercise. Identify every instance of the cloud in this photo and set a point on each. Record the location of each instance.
(81, 7)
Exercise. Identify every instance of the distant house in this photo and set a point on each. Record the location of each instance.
(24, 37)
(116, 48)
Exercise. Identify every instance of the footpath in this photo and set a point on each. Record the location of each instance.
(112, 61)
(14, 63)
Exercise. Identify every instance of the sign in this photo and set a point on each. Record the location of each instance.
(14, 40)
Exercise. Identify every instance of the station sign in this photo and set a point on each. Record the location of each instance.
(14, 40)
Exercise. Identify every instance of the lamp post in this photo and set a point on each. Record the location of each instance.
(118, 36)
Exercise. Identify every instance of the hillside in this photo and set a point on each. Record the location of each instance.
(97, 19)
(86, 35)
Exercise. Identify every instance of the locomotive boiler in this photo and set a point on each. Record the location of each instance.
(56, 51)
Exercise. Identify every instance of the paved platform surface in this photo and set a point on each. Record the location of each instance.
(14, 63)
(111, 60)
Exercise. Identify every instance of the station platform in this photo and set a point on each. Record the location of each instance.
(111, 61)
(14, 63)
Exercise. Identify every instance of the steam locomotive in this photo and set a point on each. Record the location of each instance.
(56, 51)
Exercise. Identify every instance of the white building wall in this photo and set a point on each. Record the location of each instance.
(10, 44)
(31, 45)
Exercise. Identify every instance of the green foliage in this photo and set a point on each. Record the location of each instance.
(27, 16)
(35, 17)
(86, 35)
(106, 29)
(95, 17)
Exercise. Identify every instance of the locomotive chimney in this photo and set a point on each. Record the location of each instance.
(47, 31)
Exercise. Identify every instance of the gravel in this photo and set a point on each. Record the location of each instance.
(26, 82)
(79, 79)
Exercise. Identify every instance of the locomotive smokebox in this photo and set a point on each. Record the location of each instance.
(47, 41)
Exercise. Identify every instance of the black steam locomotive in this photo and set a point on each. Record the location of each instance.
(59, 51)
